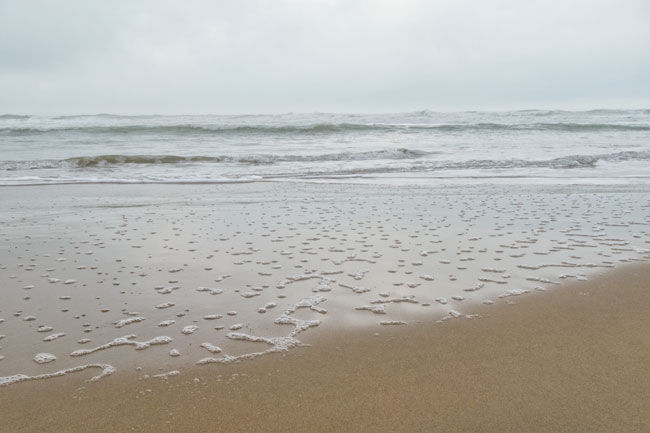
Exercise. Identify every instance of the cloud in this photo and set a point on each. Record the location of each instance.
(327, 55)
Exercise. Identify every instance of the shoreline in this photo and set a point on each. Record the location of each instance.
(571, 360)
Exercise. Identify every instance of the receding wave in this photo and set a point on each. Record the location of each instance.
(319, 128)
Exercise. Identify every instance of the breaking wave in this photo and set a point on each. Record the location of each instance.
(421, 161)
(103, 160)
(561, 163)
(262, 159)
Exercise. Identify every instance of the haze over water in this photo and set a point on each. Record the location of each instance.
(530, 145)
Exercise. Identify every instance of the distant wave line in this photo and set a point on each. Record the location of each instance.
(317, 128)
(418, 113)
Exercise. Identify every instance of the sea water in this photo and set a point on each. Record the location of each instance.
(518, 146)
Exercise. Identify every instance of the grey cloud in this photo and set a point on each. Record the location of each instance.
(327, 55)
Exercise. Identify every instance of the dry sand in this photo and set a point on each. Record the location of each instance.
(572, 360)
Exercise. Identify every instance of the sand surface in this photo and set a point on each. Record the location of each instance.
(575, 360)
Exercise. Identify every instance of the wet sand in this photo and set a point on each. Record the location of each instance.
(571, 360)
(426, 308)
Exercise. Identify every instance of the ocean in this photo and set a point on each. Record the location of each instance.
(598, 146)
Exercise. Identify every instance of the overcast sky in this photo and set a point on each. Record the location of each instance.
(131, 57)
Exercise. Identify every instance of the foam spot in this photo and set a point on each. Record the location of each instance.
(300, 325)
(377, 309)
(357, 290)
(211, 347)
(124, 341)
(406, 298)
(107, 370)
(279, 344)
(130, 320)
(359, 274)
(187, 330)
(166, 375)
(211, 290)
(541, 280)
(44, 358)
(266, 307)
(167, 290)
(513, 292)
(166, 323)
(324, 285)
(310, 302)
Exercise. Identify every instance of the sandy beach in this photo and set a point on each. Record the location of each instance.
(324, 307)
(571, 361)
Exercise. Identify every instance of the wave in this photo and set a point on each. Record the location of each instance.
(564, 162)
(98, 170)
(561, 163)
(419, 160)
(104, 160)
(13, 116)
(262, 159)
(189, 129)
(424, 112)
(560, 127)
(318, 128)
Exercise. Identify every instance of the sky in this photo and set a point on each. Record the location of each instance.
(255, 56)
